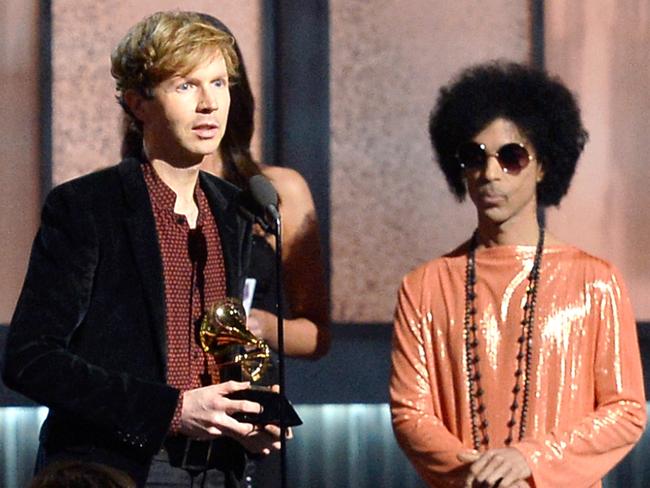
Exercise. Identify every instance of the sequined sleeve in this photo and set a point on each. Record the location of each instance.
(429, 445)
(583, 453)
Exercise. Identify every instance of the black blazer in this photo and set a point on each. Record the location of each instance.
(88, 337)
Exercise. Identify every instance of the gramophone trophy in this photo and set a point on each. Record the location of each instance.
(241, 356)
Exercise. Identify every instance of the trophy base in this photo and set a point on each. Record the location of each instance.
(273, 404)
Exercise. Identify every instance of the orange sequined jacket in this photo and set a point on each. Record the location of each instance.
(587, 406)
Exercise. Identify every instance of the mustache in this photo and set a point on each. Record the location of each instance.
(491, 191)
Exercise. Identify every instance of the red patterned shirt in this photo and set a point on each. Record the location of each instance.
(195, 278)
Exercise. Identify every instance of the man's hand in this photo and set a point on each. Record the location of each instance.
(263, 325)
(502, 468)
(263, 439)
(207, 411)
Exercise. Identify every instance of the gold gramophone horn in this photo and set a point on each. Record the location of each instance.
(224, 334)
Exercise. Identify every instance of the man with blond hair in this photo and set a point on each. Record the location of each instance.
(125, 263)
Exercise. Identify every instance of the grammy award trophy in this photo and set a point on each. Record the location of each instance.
(241, 356)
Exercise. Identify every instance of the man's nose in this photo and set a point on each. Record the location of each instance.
(492, 168)
(208, 101)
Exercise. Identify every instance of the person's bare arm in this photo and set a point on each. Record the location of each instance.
(307, 332)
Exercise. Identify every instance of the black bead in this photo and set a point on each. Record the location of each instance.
(472, 359)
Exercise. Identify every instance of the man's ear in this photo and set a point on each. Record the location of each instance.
(136, 103)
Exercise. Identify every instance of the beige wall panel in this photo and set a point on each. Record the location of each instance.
(86, 117)
(19, 140)
(601, 49)
(390, 206)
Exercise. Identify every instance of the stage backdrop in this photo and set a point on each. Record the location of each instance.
(390, 207)
(20, 132)
(601, 50)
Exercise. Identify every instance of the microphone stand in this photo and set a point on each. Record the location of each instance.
(279, 310)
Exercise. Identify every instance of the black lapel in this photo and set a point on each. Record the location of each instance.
(233, 230)
(141, 229)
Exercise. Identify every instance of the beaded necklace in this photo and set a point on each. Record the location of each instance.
(477, 407)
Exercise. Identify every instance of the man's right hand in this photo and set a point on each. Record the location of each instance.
(502, 468)
(207, 411)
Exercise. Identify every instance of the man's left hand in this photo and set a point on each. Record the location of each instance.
(502, 468)
(263, 325)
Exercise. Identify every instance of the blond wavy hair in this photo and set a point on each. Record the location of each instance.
(166, 44)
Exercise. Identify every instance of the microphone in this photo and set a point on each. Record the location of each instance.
(266, 197)
(264, 194)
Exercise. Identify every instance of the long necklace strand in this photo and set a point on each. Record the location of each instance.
(524, 355)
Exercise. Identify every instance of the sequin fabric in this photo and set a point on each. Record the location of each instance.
(587, 405)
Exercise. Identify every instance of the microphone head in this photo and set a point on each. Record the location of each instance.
(263, 191)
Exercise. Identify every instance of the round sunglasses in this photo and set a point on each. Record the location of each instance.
(512, 157)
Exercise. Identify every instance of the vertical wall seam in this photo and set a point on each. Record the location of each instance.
(45, 96)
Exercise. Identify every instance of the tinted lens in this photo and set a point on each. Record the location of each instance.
(471, 155)
(513, 157)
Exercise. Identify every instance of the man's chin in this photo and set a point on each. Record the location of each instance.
(198, 152)
(187, 159)
(494, 214)
(188, 154)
